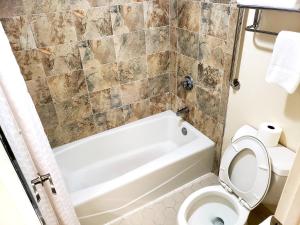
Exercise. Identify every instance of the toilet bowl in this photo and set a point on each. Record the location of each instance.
(244, 177)
(212, 205)
(247, 171)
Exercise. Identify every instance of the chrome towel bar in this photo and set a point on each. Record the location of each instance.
(254, 27)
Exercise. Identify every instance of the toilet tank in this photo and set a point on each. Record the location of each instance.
(282, 160)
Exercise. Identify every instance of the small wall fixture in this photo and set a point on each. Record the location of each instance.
(188, 83)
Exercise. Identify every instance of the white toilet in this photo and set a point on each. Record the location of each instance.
(245, 177)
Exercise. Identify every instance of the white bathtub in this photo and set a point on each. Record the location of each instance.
(118, 170)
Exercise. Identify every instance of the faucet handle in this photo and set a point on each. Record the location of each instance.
(188, 83)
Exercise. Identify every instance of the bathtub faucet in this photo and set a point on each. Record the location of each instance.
(182, 111)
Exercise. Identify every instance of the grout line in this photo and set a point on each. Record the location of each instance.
(90, 103)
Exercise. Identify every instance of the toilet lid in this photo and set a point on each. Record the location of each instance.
(246, 169)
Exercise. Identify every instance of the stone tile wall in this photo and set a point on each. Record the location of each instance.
(202, 36)
(91, 65)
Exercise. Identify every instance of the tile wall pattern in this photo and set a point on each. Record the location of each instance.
(91, 65)
(163, 211)
(202, 37)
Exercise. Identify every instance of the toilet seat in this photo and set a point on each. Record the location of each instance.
(245, 170)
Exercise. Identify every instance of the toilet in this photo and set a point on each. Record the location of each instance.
(249, 174)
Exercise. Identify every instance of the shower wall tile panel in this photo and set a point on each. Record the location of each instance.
(91, 65)
(202, 35)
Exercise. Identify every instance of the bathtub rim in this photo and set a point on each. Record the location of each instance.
(62, 148)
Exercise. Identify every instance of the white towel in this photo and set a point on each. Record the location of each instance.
(284, 4)
(284, 69)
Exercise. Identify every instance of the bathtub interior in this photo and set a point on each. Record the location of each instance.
(105, 156)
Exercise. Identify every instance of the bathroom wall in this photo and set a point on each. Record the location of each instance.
(91, 65)
(202, 36)
(258, 101)
(94, 65)
(288, 211)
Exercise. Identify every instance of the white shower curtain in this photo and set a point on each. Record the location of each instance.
(23, 129)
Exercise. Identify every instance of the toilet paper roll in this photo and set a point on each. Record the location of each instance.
(269, 134)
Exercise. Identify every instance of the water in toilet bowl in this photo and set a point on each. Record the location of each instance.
(214, 212)
(217, 221)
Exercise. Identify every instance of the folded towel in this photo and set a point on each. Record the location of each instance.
(284, 69)
(284, 4)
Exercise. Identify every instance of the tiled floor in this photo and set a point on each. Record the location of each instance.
(163, 211)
